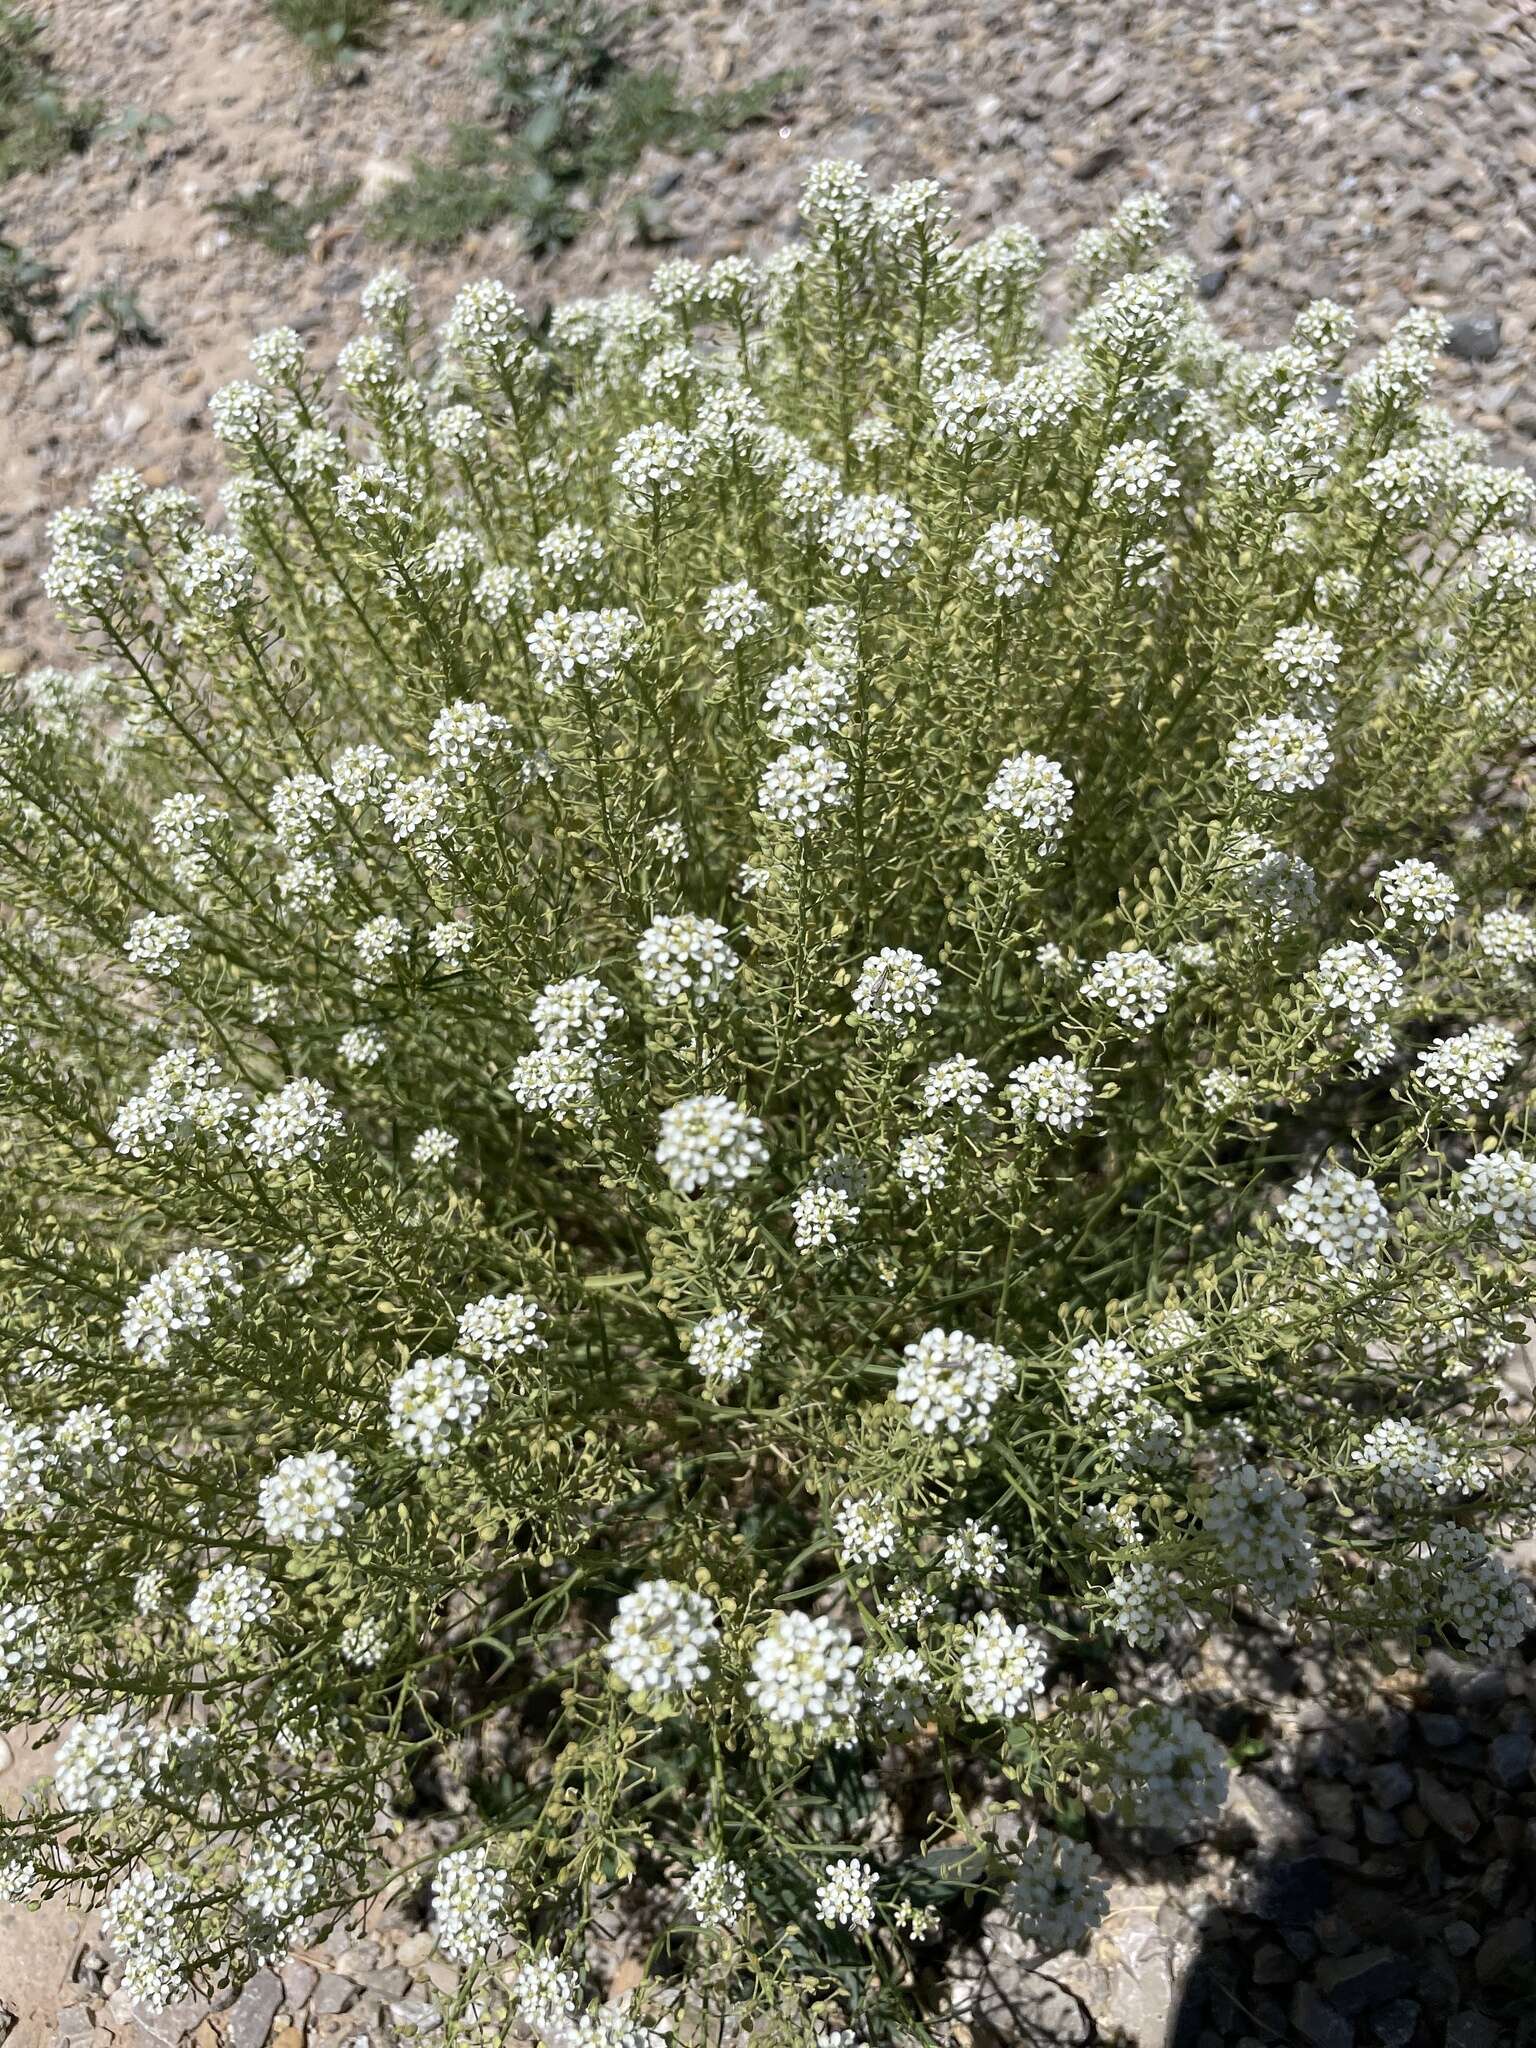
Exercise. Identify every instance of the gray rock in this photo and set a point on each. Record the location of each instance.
(1459, 1936)
(1390, 1785)
(332, 1994)
(1471, 2029)
(1292, 1891)
(1393, 2025)
(1451, 1812)
(1357, 1983)
(76, 2023)
(1475, 337)
(414, 2016)
(1508, 1948)
(1213, 283)
(1381, 1828)
(299, 1979)
(251, 2015)
(1257, 1816)
(1509, 1760)
(1317, 2022)
(1334, 1805)
(1440, 1731)
(1271, 1965)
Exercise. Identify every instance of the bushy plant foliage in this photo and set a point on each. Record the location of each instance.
(737, 1038)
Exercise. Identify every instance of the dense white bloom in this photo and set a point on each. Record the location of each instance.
(1105, 1374)
(1341, 1216)
(140, 1921)
(1058, 1894)
(897, 1688)
(686, 959)
(1053, 1092)
(1501, 1186)
(724, 1347)
(835, 198)
(1014, 555)
(1407, 1464)
(571, 551)
(811, 699)
(872, 535)
(1360, 978)
(1143, 1603)
(101, 1764)
(1415, 893)
(434, 1147)
(180, 1298)
(654, 463)
(1460, 1585)
(156, 945)
(895, 985)
(469, 1906)
(1260, 1527)
(661, 1639)
(229, 1603)
(951, 1382)
(1163, 1771)
(574, 1013)
(824, 1212)
(293, 1125)
(361, 1048)
(500, 1326)
(733, 614)
(1465, 1072)
(922, 1161)
(846, 1895)
(1138, 479)
(308, 1498)
(1031, 799)
(868, 1529)
(463, 734)
(1283, 754)
(1508, 938)
(181, 828)
(709, 1142)
(805, 1673)
(1001, 1668)
(799, 785)
(381, 938)
(975, 1555)
(1136, 987)
(589, 649)
(282, 1877)
(716, 1892)
(435, 1404)
(558, 1081)
(958, 1083)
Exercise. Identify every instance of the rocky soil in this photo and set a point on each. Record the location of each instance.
(1372, 1878)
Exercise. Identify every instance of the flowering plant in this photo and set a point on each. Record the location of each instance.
(742, 1029)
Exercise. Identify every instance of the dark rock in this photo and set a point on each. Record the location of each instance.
(1390, 1785)
(1258, 1816)
(1334, 1805)
(1475, 337)
(332, 1993)
(1471, 2029)
(1508, 1948)
(1438, 1983)
(1094, 162)
(1271, 1965)
(1509, 1760)
(1381, 1828)
(1293, 1891)
(1451, 1812)
(1357, 1983)
(1440, 1731)
(1393, 2025)
(251, 2015)
(1317, 2022)
(1213, 283)
(1486, 1690)
(1459, 1936)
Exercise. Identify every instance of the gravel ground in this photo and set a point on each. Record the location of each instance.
(1371, 1882)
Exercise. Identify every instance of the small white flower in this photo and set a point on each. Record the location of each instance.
(661, 1639)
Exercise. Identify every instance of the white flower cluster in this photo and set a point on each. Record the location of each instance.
(1283, 754)
(958, 1083)
(1105, 1377)
(500, 1326)
(894, 986)
(230, 1602)
(179, 1299)
(1031, 798)
(469, 1906)
(1501, 1187)
(846, 1895)
(1360, 978)
(1163, 1771)
(1001, 1668)
(868, 1529)
(709, 1143)
(686, 959)
(1052, 1092)
(1014, 555)
(805, 1674)
(1260, 1527)
(950, 1382)
(1466, 1072)
(308, 1498)
(724, 1346)
(661, 1639)
(1340, 1215)
(435, 1404)
(716, 1892)
(1135, 986)
(800, 785)
(1417, 894)
(1058, 1894)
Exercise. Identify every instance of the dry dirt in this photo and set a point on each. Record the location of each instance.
(1383, 154)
